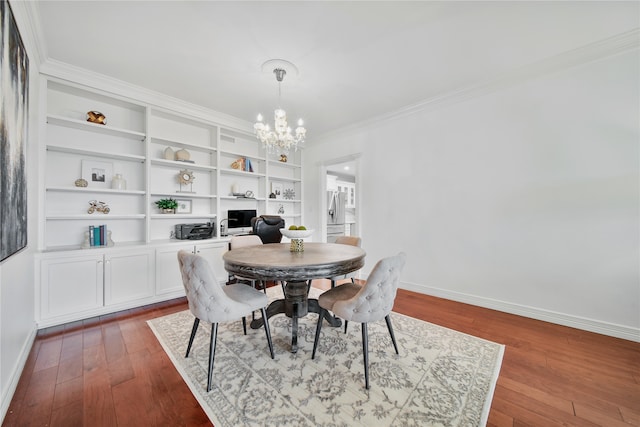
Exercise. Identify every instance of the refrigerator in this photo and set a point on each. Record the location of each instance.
(335, 215)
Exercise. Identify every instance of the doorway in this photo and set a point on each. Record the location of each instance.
(341, 199)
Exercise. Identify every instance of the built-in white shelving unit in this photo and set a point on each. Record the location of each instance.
(140, 142)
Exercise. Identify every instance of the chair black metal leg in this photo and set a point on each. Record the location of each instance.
(266, 330)
(212, 354)
(244, 325)
(318, 327)
(194, 329)
(333, 283)
(393, 337)
(365, 353)
(346, 322)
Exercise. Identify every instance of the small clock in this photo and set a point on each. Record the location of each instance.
(186, 176)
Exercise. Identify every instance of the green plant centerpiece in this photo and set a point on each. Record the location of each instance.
(167, 205)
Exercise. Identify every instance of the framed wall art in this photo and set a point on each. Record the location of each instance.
(14, 113)
(277, 188)
(184, 206)
(97, 174)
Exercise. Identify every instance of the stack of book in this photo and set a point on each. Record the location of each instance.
(98, 235)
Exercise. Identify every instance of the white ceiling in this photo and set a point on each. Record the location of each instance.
(356, 60)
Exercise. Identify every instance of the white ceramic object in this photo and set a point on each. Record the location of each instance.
(296, 234)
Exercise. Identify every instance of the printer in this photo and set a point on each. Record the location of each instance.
(195, 231)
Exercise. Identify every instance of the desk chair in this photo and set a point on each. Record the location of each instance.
(268, 228)
(213, 303)
(364, 304)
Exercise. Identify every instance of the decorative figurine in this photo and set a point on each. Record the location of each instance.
(96, 117)
(96, 206)
(81, 182)
(183, 155)
(283, 158)
(289, 194)
(281, 209)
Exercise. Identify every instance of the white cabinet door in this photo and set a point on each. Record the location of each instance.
(70, 285)
(213, 253)
(128, 276)
(168, 275)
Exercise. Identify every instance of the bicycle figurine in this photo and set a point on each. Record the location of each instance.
(96, 206)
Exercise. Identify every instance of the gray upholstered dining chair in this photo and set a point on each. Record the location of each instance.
(244, 241)
(366, 303)
(213, 303)
(346, 240)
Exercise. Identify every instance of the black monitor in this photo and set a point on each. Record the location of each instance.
(240, 218)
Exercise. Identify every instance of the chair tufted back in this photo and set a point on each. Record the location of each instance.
(268, 228)
(207, 299)
(375, 300)
(238, 242)
(349, 240)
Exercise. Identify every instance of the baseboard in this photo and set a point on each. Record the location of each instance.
(591, 325)
(7, 394)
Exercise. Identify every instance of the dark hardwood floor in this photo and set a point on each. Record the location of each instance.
(111, 371)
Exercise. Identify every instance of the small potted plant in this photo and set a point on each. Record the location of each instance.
(167, 205)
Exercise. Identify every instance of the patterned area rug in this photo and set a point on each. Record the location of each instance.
(441, 377)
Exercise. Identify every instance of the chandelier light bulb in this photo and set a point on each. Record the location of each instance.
(259, 117)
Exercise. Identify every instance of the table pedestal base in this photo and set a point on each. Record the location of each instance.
(296, 304)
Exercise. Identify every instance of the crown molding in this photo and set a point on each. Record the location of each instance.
(77, 75)
(592, 52)
(28, 20)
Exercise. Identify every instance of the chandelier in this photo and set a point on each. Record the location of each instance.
(281, 138)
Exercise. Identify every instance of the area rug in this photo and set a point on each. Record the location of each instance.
(441, 377)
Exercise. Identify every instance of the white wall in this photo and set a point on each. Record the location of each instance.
(17, 324)
(524, 199)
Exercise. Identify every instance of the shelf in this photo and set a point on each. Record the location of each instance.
(96, 190)
(171, 143)
(258, 199)
(184, 195)
(102, 154)
(239, 154)
(182, 216)
(285, 164)
(282, 178)
(242, 173)
(181, 165)
(93, 127)
(101, 217)
(285, 200)
(78, 247)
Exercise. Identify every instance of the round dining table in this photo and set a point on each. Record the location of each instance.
(295, 270)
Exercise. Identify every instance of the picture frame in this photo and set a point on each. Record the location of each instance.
(277, 188)
(97, 174)
(184, 206)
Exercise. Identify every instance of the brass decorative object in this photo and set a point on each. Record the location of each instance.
(186, 176)
(283, 158)
(96, 206)
(81, 182)
(96, 117)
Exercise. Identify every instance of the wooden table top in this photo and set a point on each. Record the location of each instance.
(275, 261)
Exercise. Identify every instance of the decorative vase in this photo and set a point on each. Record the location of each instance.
(169, 154)
(183, 155)
(118, 182)
(168, 211)
(297, 245)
